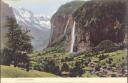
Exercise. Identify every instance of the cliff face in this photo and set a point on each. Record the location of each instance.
(58, 26)
(98, 21)
(5, 11)
(92, 23)
(62, 19)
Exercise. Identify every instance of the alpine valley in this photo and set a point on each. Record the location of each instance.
(82, 39)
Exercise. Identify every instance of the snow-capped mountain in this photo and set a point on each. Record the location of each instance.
(27, 17)
(39, 27)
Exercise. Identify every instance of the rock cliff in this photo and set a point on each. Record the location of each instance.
(63, 19)
(98, 21)
(5, 10)
(95, 21)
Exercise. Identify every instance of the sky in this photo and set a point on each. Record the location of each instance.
(38, 7)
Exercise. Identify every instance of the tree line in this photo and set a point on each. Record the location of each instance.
(18, 45)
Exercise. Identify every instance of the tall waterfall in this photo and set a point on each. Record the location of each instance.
(72, 38)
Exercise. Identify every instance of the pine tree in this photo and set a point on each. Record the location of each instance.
(18, 42)
(65, 67)
(6, 57)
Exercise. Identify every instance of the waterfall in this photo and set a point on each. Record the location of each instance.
(66, 27)
(72, 37)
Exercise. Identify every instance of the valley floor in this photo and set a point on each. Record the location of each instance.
(15, 72)
(112, 64)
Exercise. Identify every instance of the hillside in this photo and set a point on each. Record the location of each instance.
(12, 72)
(93, 64)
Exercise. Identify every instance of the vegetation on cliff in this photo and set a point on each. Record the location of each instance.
(69, 8)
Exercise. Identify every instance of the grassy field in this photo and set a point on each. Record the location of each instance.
(12, 72)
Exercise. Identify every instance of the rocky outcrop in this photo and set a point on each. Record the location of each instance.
(95, 21)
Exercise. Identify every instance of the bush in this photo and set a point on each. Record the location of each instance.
(48, 65)
(65, 67)
(102, 56)
(77, 70)
(97, 68)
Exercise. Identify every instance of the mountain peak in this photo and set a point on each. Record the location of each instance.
(39, 26)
